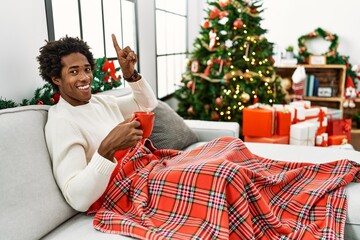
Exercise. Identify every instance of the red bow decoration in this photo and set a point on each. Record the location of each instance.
(109, 67)
(321, 118)
(346, 127)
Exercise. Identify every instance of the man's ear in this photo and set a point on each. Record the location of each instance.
(56, 80)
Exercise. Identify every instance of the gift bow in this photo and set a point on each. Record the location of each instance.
(109, 67)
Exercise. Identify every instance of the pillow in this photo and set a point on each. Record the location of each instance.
(170, 131)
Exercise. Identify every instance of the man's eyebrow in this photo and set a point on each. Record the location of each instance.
(76, 66)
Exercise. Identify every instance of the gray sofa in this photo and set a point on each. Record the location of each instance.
(32, 206)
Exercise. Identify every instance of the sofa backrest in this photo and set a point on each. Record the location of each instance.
(31, 204)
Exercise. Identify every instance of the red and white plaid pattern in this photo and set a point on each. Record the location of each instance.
(223, 191)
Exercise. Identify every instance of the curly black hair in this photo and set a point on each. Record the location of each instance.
(52, 52)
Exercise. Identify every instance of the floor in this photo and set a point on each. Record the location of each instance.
(355, 140)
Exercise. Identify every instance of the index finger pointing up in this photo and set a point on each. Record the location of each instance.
(116, 46)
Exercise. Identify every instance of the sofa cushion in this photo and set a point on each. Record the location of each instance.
(170, 131)
(31, 204)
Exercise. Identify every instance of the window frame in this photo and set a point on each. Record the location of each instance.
(186, 52)
(51, 26)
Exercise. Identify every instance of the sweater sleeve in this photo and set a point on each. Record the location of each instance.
(142, 99)
(81, 183)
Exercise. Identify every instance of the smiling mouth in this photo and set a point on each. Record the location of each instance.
(84, 88)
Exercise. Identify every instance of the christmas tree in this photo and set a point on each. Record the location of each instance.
(231, 66)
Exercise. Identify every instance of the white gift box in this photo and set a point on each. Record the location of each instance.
(333, 113)
(302, 103)
(312, 115)
(303, 133)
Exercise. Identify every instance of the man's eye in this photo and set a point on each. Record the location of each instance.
(87, 69)
(74, 72)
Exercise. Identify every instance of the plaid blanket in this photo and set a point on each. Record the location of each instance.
(223, 191)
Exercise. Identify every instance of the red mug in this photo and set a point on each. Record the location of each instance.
(146, 120)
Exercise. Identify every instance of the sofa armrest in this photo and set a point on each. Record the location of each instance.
(208, 130)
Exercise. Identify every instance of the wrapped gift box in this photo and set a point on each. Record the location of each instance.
(276, 139)
(258, 121)
(317, 115)
(283, 122)
(333, 113)
(303, 133)
(321, 140)
(340, 127)
(297, 113)
(302, 104)
(337, 140)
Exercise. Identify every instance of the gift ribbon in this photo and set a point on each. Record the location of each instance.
(109, 67)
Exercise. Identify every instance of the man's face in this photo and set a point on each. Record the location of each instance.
(76, 79)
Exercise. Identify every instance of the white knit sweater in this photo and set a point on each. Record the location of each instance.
(73, 135)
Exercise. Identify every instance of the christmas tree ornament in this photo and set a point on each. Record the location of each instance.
(223, 20)
(195, 66)
(190, 110)
(228, 43)
(215, 116)
(223, 14)
(212, 37)
(190, 84)
(218, 101)
(245, 97)
(224, 3)
(214, 12)
(238, 23)
(206, 24)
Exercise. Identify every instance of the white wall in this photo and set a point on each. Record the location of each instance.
(23, 31)
(287, 20)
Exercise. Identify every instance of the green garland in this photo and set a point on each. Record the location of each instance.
(104, 78)
(319, 32)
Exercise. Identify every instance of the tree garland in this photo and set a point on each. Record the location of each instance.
(319, 32)
(104, 78)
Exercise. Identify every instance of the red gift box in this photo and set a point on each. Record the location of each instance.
(276, 139)
(283, 120)
(258, 121)
(340, 127)
(337, 140)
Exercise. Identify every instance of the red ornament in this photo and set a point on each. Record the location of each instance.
(218, 101)
(56, 97)
(190, 84)
(190, 110)
(215, 116)
(238, 23)
(214, 12)
(223, 14)
(224, 3)
(40, 102)
(206, 24)
(206, 107)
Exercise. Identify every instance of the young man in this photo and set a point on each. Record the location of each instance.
(217, 191)
(83, 131)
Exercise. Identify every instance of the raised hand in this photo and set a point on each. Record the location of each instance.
(126, 57)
